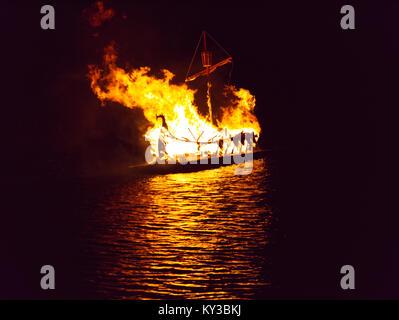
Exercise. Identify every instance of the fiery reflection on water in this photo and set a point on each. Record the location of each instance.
(195, 235)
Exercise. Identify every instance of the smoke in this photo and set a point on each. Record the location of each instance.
(96, 15)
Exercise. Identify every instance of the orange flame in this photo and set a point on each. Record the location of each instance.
(187, 131)
(240, 113)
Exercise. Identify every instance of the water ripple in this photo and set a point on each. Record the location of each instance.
(195, 235)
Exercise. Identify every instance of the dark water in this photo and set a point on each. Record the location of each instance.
(282, 232)
(199, 235)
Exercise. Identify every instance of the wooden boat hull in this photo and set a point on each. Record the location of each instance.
(216, 162)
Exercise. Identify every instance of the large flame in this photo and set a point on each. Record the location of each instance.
(186, 131)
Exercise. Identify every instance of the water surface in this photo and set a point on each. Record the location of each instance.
(200, 235)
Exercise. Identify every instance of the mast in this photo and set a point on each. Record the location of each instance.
(206, 62)
(206, 59)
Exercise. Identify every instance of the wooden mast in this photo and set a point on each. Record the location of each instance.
(208, 83)
(206, 58)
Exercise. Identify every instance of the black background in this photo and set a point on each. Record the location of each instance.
(318, 88)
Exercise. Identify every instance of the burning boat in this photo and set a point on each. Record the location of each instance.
(179, 131)
(213, 141)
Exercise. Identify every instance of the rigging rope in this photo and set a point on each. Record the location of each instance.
(217, 43)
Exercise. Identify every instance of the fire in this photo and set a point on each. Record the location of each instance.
(183, 130)
(240, 113)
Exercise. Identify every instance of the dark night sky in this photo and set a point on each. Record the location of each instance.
(314, 83)
(317, 87)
